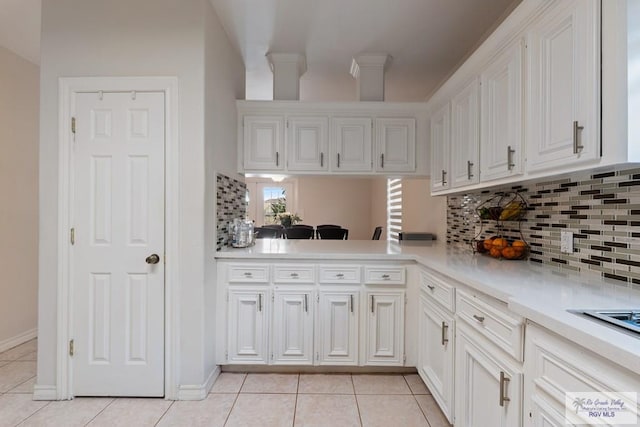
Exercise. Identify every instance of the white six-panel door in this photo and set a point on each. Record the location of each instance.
(118, 220)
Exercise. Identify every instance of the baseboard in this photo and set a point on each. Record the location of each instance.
(45, 392)
(198, 392)
(18, 339)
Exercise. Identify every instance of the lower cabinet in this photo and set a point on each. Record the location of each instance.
(436, 353)
(292, 340)
(384, 334)
(248, 325)
(338, 327)
(488, 383)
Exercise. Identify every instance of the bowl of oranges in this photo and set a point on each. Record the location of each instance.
(503, 248)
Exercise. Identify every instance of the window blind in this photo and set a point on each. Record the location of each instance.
(394, 208)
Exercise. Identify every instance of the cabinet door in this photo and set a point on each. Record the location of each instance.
(292, 337)
(385, 328)
(352, 144)
(307, 142)
(338, 328)
(501, 114)
(465, 135)
(488, 388)
(435, 353)
(440, 140)
(396, 144)
(247, 327)
(564, 68)
(263, 142)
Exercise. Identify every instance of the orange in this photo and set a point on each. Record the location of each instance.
(495, 252)
(488, 243)
(510, 252)
(500, 243)
(519, 243)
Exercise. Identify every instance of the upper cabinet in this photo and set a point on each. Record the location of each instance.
(364, 138)
(527, 103)
(564, 64)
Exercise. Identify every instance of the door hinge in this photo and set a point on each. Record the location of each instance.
(73, 125)
(72, 236)
(71, 349)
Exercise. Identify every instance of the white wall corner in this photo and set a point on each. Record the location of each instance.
(45, 392)
(199, 391)
(287, 68)
(368, 69)
(16, 340)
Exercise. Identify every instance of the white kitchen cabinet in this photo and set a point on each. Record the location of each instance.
(307, 143)
(440, 145)
(564, 72)
(338, 315)
(502, 134)
(247, 330)
(465, 135)
(352, 139)
(395, 144)
(292, 336)
(264, 143)
(436, 352)
(488, 385)
(384, 335)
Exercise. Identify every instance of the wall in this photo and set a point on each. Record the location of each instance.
(601, 209)
(420, 211)
(146, 38)
(19, 86)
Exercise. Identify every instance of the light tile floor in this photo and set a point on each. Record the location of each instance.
(256, 400)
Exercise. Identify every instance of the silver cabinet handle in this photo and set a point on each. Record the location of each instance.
(259, 302)
(248, 274)
(469, 166)
(445, 328)
(372, 309)
(277, 158)
(576, 130)
(386, 277)
(351, 303)
(306, 303)
(510, 153)
(338, 155)
(321, 159)
(503, 385)
(382, 160)
(478, 318)
(294, 275)
(431, 288)
(444, 175)
(340, 276)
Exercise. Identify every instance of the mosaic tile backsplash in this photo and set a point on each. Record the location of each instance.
(231, 203)
(601, 209)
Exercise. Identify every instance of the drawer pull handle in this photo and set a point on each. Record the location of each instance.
(248, 274)
(306, 303)
(351, 303)
(321, 160)
(386, 277)
(294, 275)
(510, 153)
(340, 276)
(372, 305)
(445, 328)
(469, 166)
(259, 302)
(576, 129)
(478, 318)
(444, 177)
(503, 385)
(431, 288)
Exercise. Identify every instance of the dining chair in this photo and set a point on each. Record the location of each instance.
(299, 232)
(377, 232)
(318, 227)
(267, 233)
(332, 233)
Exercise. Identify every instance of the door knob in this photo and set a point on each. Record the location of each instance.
(152, 259)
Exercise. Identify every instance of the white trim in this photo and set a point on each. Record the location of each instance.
(198, 392)
(16, 340)
(45, 392)
(68, 87)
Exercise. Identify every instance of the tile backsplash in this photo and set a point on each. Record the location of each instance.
(231, 203)
(601, 209)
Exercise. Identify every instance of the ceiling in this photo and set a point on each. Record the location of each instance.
(426, 39)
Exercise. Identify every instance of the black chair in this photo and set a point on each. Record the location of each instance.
(377, 232)
(319, 227)
(332, 233)
(267, 233)
(299, 232)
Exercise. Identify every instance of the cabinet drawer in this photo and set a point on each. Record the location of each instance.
(493, 321)
(293, 274)
(385, 275)
(339, 274)
(248, 273)
(438, 290)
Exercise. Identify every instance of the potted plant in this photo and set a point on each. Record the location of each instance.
(287, 219)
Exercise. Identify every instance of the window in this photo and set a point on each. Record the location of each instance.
(394, 208)
(268, 198)
(274, 203)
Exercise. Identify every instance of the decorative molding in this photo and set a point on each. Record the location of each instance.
(16, 340)
(45, 392)
(373, 60)
(288, 58)
(198, 392)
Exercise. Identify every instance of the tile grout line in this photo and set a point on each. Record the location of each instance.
(165, 412)
(295, 404)
(9, 391)
(226, 420)
(40, 409)
(113, 399)
(424, 414)
(355, 395)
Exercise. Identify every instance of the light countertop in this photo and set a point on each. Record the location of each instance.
(539, 293)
